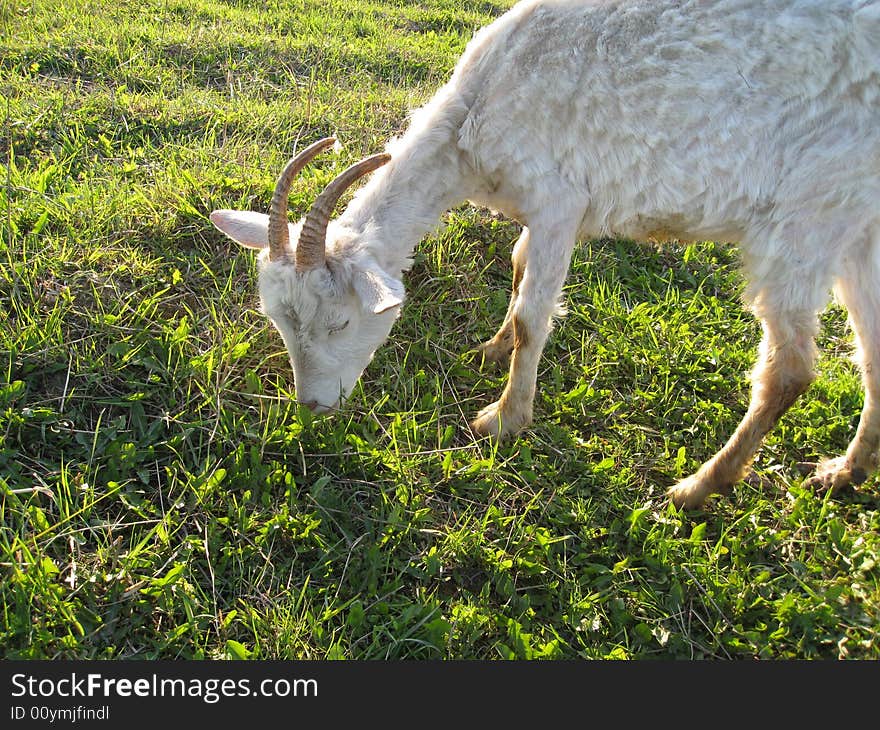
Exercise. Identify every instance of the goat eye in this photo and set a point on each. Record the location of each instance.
(339, 328)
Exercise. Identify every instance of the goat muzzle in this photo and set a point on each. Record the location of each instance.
(319, 408)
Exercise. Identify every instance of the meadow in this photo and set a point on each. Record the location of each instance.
(162, 496)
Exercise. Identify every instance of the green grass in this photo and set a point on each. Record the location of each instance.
(161, 496)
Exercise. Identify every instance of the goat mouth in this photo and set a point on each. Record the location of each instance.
(319, 408)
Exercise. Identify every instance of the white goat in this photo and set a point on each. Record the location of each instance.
(749, 121)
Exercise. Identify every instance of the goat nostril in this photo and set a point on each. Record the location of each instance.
(312, 405)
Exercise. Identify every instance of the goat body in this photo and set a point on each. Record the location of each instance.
(748, 121)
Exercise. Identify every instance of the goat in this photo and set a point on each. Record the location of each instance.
(752, 122)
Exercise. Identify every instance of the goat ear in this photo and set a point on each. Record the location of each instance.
(243, 226)
(378, 292)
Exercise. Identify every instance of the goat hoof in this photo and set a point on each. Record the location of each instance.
(494, 351)
(833, 475)
(492, 421)
(691, 493)
(805, 468)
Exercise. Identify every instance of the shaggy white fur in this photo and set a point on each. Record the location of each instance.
(749, 121)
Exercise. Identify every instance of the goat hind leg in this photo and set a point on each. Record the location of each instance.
(498, 348)
(859, 292)
(784, 371)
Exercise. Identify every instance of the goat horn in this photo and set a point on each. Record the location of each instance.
(277, 234)
(312, 241)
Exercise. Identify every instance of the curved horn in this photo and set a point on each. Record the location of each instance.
(278, 235)
(312, 240)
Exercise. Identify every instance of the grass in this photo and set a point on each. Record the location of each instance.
(161, 496)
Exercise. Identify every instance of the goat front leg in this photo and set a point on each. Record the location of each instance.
(498, 349)
(544, 257)
(859, 291)
(784, 371)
